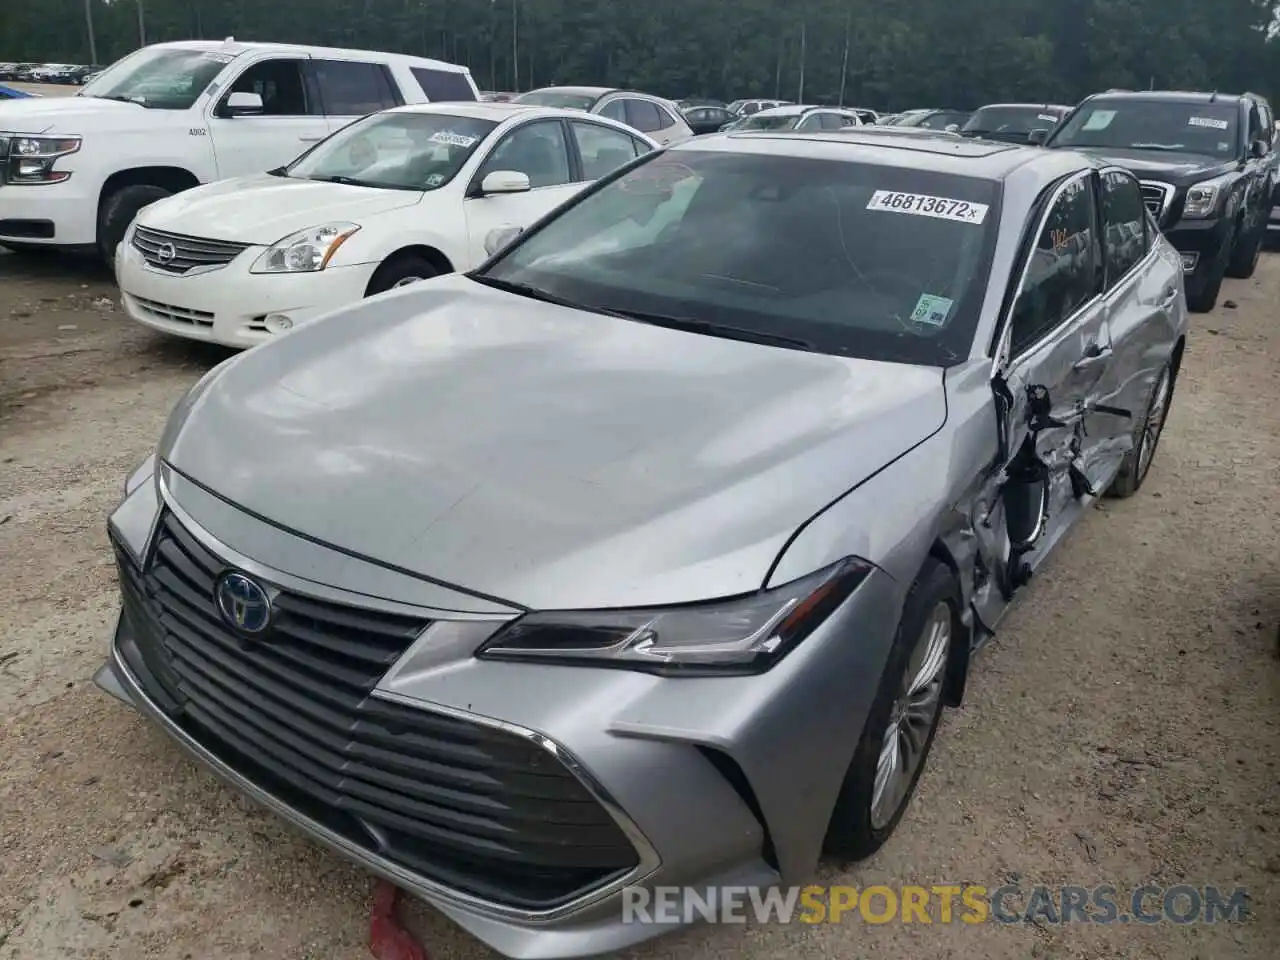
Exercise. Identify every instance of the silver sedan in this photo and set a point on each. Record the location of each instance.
(649, 553)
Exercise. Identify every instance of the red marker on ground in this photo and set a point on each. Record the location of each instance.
(388, 940)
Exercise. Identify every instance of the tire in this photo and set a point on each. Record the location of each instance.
(402, 270)
(117, 211)
(1206, 298)
(859, 826)
(1247, 252)
(1137, 462)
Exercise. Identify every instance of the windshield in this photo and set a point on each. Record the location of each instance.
(849, 259)
(161, 78)
(1010, 122)
(395, 151)
(1204, 128)
(775, 122)
(558, 98)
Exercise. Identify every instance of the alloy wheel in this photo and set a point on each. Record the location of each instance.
(1154, 426)
(405, 281)
(912, 717)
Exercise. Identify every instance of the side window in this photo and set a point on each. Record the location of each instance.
(443, 86)
(645, 116)
(537, 150)
(1064, 268)
(832, 121)
(279, 84)
(750, 108)
(615, 110)
(350, 89)
(602, 150)
(1124, 223)
(641, 147)
(1268, 125)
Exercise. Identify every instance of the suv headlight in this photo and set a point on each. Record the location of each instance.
(1202, 199)
(30, 159)
(305, 251)
(745, 635)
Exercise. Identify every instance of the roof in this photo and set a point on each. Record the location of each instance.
(795, 109)
(579, 91)
(939, 154)
(1023, 106)
(1171, 96)
(496, 111)
(378, 56)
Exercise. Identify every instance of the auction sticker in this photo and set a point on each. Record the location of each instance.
(932, 310)
(1210, 122)
(922, 205)
(452, 139)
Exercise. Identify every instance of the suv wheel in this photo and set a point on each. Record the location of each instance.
(117, 211)
(1245, 256)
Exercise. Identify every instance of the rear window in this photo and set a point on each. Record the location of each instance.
(1017, 121)
(442, 86)
(850, 259)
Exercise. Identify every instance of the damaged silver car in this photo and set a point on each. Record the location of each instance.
(650, 552)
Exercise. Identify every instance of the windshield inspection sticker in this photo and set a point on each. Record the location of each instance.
(219, 57)
(452, 139)
(932, 310)
(942, 208)
(435, 180)
(1209, 122)
(1099, 120)
(1047, 116)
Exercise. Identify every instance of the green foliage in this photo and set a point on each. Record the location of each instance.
(902, 53)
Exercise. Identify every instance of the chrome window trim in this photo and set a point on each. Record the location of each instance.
(1004, 358)
(649, 859)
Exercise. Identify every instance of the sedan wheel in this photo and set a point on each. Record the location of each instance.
(1154, 426)
(903, 719)
(912, 718)
(405, 281)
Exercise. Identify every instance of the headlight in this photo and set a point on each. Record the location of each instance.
(305, 251)
(744, 635)
(30, 159)
(1202, 199)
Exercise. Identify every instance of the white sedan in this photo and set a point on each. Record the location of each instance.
(400, 196)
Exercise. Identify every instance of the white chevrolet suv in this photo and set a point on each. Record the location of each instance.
(74, 171)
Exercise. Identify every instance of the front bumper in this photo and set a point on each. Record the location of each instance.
(229, 306)
(55, 214)
(725, 781)
(1202, 245)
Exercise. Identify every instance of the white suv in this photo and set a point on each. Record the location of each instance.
(74, 171)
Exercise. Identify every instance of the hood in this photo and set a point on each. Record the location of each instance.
(545, 456)
(263, 209)
(1179, 169)
(71, 115)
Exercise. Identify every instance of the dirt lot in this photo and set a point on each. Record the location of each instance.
(1122, 729)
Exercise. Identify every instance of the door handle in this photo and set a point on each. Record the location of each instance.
(1168, 297)
(311, 139)
(1096, 353)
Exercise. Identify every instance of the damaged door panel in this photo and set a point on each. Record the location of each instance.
(1049, 388)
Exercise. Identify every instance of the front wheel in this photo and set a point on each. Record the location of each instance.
(1247, 252)
(903, 720)
(117, 211)
(1137, 462)
(401, 271)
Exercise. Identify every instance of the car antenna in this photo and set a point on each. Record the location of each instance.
(1213, 97)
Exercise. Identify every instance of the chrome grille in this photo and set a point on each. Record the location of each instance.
(172, 313)
(1156, 197)
(473, 807)
(174, 253)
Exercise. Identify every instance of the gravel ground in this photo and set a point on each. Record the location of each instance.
(1121, 729)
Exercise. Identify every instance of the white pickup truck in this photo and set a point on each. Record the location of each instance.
(75, 170)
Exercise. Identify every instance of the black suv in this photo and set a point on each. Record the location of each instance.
(1206, 167)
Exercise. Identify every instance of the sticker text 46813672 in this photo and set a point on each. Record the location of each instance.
(922, 205)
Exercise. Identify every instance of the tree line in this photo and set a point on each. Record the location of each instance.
(885, 54)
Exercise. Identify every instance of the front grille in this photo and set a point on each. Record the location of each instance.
(1155, 196)
(474, 808)
(174, 253)
(173, 313)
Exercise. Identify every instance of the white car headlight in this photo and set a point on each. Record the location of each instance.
(1202, 199)
(29, 159)
(305, 251)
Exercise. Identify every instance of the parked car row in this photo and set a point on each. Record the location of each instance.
(66, 73)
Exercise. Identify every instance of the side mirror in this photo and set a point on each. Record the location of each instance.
(499, 239)
(1038, 137)
(243, 104)
(1259, 149)
(505, 181)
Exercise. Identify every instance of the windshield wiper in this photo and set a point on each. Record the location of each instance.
(710, 328)
(532, 292)
(1167, 147)
(119, 99)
